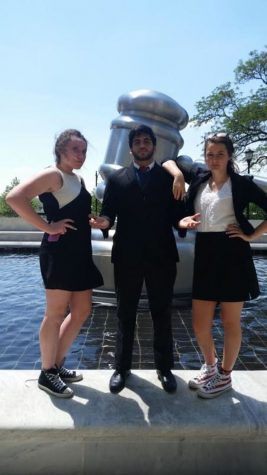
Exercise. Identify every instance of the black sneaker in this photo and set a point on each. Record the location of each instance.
(50, 382)
(68, 375)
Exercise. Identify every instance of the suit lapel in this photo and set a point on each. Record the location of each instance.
(131, 174)
(132, 178)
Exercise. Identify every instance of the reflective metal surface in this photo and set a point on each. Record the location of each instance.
(160, 112)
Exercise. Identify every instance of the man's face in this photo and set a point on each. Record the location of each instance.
(143, 148)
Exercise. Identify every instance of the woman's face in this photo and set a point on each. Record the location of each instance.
(74, 154)
(216, 157)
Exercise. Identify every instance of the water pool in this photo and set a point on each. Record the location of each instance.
(22, 306)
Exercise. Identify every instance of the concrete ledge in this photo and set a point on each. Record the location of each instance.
(21, 236)
(140, 431)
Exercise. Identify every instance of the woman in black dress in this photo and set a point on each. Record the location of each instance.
(67, 268)
(224, 271)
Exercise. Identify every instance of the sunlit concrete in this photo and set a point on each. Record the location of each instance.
(142, 430)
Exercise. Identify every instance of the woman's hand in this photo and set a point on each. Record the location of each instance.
(189, 222)
(178, 186)
(233, 231)
(98, 222)
(61, 227)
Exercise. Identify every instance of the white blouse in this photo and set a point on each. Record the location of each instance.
(215, 207)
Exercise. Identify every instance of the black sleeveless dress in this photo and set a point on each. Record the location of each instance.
(66, 260)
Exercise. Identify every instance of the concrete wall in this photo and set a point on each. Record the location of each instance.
(15, 224)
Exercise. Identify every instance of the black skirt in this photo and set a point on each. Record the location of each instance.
(224, 270)
(67, 264)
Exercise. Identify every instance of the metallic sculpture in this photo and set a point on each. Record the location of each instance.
(151, 108)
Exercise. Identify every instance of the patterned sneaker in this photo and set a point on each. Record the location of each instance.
(216, 386)
(50, 382)
(68, 376)
(206, 373)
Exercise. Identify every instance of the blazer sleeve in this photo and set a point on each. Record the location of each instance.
(178, 212)
(188, 168)
(257, 195)
(110, 204)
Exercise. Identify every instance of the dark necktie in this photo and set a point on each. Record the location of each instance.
(143, 175)
(143, 169)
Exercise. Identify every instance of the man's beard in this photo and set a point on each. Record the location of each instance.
(143, 158)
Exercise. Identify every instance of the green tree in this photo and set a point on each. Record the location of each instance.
(96, 204)
(5, 210)
(255, 212)
(243, 116)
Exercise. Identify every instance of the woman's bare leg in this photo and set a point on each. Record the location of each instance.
(80, 309)
(203, 314)
(56, 305)
(231, 313)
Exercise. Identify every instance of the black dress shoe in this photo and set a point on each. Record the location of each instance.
(117, 381)
(167, 380)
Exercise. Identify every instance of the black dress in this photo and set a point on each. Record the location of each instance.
(66, 260)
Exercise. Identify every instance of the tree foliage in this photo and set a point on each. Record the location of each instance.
(96, 204)
(5, 210)
(243, 116)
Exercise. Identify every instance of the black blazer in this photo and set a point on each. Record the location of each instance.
(145, 217)
(244, 191)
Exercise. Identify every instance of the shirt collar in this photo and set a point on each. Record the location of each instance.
(150, 166)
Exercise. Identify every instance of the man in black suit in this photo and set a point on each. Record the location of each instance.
(144, 250)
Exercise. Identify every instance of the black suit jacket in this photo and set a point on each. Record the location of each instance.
(244, 191)
(145, 217)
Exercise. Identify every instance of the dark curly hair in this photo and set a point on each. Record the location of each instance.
(141, 129)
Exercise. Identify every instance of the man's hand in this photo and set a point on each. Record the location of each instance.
(98, 222)
(189, 222)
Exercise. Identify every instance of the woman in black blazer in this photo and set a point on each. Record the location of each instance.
(224, 271)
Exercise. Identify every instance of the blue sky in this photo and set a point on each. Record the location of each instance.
(65, 64)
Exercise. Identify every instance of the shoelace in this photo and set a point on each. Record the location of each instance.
(66, 372)
(55, 379)
(213, 382)
(206, 369)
